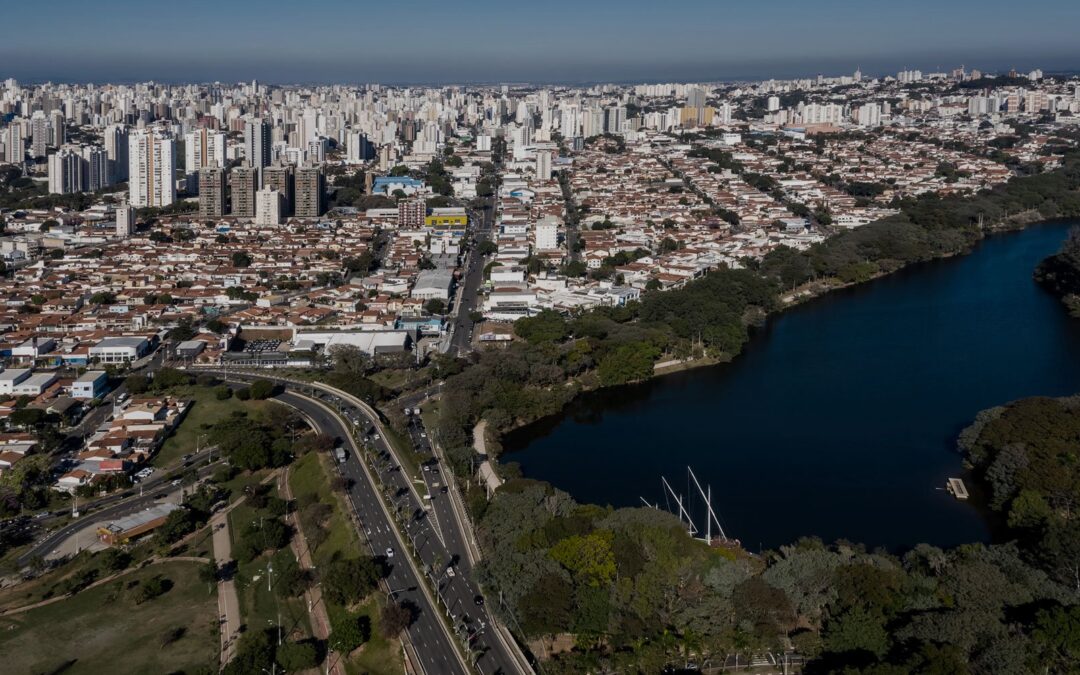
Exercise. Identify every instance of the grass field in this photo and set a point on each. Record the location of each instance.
(205, 412)
(260, 606)
(103, 630)
(311, 475)
(308, 476)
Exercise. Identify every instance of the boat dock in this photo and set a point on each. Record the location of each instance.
(957, 488)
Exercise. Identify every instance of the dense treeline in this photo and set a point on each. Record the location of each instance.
(638, 594)
(928, 227)
(1028, 454)
(1060, 273)
(560, 356)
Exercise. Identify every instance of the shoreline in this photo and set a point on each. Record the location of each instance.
(813, 291)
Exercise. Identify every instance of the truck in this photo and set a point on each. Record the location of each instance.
(339, 453)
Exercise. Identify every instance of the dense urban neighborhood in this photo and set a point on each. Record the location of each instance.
(260, 345)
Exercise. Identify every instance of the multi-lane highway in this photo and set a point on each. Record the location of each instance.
(472, 279)
(427, 633)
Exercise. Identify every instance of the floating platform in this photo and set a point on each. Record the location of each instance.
(957, 488)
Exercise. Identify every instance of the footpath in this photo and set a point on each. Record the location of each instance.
(320, 621)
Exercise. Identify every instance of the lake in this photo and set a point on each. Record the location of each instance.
(840, 418)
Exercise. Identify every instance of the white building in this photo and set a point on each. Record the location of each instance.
(543, 165)
(547, 233)
(11, 378)
(203, 149)
(268, 204)
(151, 169)
(125, 221)
(119, 349)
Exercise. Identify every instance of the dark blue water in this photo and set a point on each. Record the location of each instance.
(840, 418)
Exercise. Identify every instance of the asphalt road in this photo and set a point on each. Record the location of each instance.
(472, 279)
(456, 588)
(109, 508)
(436, 652)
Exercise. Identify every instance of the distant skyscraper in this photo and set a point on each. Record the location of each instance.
(211, 192)
(695, 98)
(95, 168)
(280, 178)
(615, 117)
(257, 144)
(14, 148)
(39, 134)
(244, 180)
(310, 192)
(65, 172)
(151, 169)
(116, 150)
(57, 129)
(203, 149)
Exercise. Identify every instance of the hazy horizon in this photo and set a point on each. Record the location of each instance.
(485, 42)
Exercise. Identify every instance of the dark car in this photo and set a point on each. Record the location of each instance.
(479, 600)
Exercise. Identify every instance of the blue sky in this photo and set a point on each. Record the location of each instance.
(545, 41)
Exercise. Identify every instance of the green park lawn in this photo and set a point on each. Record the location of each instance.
(311, 476)
(104, 630)
(205, 411)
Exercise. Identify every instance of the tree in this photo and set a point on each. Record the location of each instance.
(393, 619)
(349, 580)
(153, 587)
(241, 259)
(348, 631)
(223, 392)
(261, 389)
(102, 298)
(297, 656)
(435, 306)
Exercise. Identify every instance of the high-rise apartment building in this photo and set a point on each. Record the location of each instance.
(268, 203)
(116, 150)
(257, 143)
(543, 165)
(411, 213)
(310, 192)
(211, 192)
(203, 148)
(65, 172)
(125, 221)
(244, 180)
(39, 134)
(151, 168)
(280, 177)
(14, 148)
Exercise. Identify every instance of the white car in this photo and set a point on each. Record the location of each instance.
(389, 553)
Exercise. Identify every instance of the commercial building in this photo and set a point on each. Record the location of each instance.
(118, 350)
(125, 529)
(90, 385)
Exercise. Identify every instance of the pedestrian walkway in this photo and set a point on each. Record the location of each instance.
(320, 621)
(228, 601)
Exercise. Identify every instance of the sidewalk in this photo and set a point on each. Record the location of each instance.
(228, 601)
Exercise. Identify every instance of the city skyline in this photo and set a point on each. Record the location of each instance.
(482, 42)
